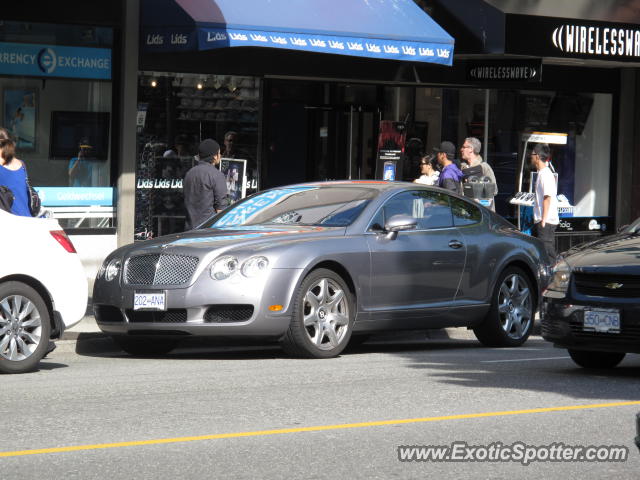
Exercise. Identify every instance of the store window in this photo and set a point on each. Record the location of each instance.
(56, 92)
(176, 111)
(580, 156)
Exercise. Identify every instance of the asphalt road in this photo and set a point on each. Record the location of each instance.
(255, 409)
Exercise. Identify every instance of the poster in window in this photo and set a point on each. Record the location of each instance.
(19, 110)
(235, 172)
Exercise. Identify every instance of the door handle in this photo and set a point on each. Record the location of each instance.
(455, 244)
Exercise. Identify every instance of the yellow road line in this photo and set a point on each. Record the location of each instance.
(320, 428)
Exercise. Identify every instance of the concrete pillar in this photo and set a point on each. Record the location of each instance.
(128, 96)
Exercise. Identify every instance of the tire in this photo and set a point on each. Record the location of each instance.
(323, 316)
(145, 346)
(589, 359)
(25, 327)
(510, 318)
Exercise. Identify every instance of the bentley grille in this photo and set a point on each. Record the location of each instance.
(160, 269)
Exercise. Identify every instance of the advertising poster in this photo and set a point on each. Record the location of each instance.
(235, 172)
(19, 115)
(391, 143)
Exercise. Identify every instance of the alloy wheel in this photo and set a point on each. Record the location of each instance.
(514, 306)
(325, 314)
(20, 328)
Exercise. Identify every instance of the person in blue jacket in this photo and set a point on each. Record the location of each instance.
(450, 176)
(13, 174)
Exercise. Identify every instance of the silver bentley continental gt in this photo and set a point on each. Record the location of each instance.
(312, 265)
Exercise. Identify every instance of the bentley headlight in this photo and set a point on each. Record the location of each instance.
(112, 270)
(254, 266)
(223, 267)
(560, 280)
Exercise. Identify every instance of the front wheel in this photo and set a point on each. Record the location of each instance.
(589, 359)
(510, 318)
(323, 316)
(25, 328)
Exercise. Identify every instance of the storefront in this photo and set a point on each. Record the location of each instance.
(60, 88)
(283, 93)
(297, 116)
(566, 68)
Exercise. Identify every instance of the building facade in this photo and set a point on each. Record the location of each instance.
(284, 115)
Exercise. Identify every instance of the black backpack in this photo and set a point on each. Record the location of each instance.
(6, 198)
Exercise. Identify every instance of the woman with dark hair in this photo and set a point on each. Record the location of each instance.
(13, 174)
(428, 172)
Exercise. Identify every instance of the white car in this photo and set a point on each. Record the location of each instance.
(43, 289)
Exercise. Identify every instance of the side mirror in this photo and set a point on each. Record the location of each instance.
(398, 223)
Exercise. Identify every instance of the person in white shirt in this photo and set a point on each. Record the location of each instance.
(545, 207)
(428, 172)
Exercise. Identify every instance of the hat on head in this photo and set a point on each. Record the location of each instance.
(207, 149)
(446, 147)
(84, 143)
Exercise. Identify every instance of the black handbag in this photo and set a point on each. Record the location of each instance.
(34, 199)
(6, 198)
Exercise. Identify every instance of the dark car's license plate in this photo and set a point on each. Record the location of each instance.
(149, 301)
(604, 320)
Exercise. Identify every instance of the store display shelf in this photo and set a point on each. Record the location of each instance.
(218, 121)
(215, 109)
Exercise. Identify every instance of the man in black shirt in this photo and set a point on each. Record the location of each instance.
(205, 188)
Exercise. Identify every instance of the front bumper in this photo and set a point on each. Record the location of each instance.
(562, 323)
(240, 307)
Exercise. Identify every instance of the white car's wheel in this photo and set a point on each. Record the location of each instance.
(25, 328)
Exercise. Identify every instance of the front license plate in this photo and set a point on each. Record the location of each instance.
(607, 321)
(149, 301)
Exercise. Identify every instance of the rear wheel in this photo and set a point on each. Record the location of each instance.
(589, 359)
(25, 328)
(322, 317)
(144, 346)
(510, 319)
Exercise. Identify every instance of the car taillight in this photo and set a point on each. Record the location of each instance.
(63, 240)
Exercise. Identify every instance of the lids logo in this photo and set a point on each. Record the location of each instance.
(156, 39)
(216, 37)
(178, 39)
(47, 60)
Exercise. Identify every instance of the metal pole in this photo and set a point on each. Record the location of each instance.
(350, 139)
(486, 125)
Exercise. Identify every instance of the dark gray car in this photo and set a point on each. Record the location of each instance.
(311, 265)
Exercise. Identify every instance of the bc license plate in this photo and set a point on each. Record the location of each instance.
(149, 301)
(607, 321)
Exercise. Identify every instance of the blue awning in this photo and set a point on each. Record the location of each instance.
(385, 29)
